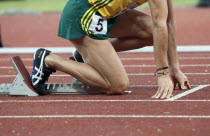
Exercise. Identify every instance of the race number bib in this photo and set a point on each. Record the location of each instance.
(98, 25)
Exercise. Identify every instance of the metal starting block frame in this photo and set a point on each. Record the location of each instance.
(22, 85)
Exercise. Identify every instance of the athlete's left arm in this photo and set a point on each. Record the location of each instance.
(177, 76)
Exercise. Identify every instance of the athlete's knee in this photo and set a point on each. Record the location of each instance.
(119, 87)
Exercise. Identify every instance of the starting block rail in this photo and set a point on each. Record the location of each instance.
(22, 85)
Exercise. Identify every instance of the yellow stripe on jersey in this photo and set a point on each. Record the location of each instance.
(90, 12)
(87, 13)
(90, 19)
(87, 18)
(115, 7)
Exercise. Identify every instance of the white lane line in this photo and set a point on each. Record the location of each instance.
(151, 74)
(24, 59)
(109, 116)
(132, 74)
(152, 85)
(185, 65)
(140, 58)
(10, 67)
(31, 50)
(180, 58)
(186, 93)
(149, 49)
(5, 76)
(132, 86)
(49, 101)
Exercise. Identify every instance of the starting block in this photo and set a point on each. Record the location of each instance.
(22, 85)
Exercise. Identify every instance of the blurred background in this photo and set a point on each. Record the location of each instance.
(34, 23)
(9, 6)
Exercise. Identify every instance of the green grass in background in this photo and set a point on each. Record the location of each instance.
(33, 5)
(57, 5)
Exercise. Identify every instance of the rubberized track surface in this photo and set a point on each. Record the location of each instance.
(125, 115)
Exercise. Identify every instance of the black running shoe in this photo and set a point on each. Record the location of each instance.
(77, 57)
(40, 72)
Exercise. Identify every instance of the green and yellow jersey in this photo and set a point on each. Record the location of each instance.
(112, 8)
(107, 9)
(94, 18)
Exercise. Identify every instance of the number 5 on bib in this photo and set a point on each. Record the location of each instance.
(98, 25)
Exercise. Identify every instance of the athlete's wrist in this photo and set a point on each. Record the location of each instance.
(175, 69)
(162, 71)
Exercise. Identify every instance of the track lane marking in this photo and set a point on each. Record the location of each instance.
(133, 86)
(127, 59)
(187, 65)
(48, 101)
(148, 49)
(132, 74)
(146, 66)
(152, 85)
(151, 74)
(10, 67)
(109, 116)
(186, 93)
(152, 58)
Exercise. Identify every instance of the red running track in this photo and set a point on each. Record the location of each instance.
(101, 115)
(132, 114)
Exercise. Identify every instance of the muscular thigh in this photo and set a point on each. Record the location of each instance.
(133, 23)
(101, 55)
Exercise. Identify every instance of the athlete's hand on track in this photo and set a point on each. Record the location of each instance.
(165, 87)
(180, 79)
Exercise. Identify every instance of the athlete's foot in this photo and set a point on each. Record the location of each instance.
(40, 72)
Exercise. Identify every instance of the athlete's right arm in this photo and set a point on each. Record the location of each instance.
(159, 11)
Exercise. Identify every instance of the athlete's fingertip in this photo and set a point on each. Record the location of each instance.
(183, 87)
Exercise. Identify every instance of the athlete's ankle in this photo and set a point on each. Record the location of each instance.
(49, 61)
